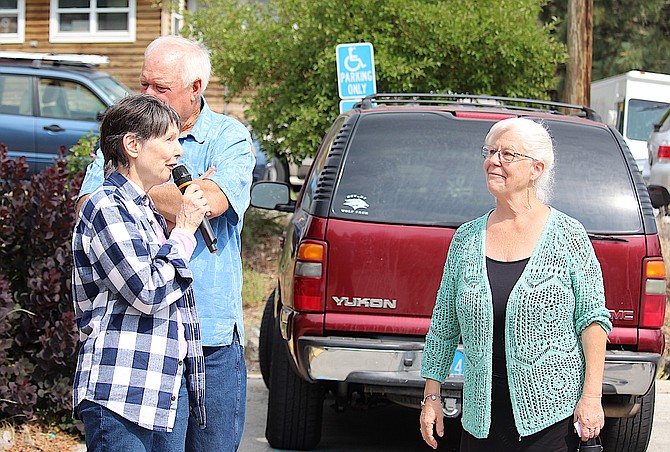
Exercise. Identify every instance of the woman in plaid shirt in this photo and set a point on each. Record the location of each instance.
(138, 326)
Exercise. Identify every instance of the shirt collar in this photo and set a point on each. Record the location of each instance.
(128, 188)
(201, 126)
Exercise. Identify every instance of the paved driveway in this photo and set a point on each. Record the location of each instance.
(391, 428)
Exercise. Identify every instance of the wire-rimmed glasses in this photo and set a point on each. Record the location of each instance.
(506, 155)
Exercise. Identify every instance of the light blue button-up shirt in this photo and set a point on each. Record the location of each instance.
(220, 141)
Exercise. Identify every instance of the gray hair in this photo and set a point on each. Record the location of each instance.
(194, 56)
(536, 142)
(143, 115)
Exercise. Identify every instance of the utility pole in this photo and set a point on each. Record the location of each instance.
(580, 51)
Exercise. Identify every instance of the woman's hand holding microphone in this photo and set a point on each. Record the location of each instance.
(192, 209)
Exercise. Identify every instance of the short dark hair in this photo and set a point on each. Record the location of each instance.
(143, 115)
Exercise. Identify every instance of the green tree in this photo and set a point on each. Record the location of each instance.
(281, 53)
(627, 34)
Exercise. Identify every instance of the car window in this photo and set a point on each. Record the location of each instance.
(642, 115)
(68, 100)
(112, 87)
(413, 168)
(665, 125)
(592, 181)
(16, 95)
(426, 168)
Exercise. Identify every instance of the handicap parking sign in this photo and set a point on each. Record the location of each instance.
(348, 104)
(356, 76)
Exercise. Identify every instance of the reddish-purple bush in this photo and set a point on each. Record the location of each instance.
(38, 334)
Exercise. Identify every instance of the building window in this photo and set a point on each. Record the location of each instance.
(92, 21)
(12, 21)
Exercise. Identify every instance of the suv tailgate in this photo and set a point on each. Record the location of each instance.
(393, 270)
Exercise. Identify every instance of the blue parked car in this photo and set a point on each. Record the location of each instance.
(49, 101)
(273, 168)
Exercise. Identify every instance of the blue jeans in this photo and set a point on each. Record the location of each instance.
(106, 431)
(225, 402)
(175, 441)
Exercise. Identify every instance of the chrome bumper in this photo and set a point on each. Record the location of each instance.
(629, 372)
(368, 361)
(398, 363)
(660, 174)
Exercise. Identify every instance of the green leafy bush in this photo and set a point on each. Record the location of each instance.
(38, 334)
(82, 153)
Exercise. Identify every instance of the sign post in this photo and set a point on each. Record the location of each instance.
(356, 76)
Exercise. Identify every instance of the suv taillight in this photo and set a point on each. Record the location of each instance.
(309, 277)
(652, 311)
(664, 152)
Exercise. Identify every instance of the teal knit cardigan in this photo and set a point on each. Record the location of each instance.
(558, 295)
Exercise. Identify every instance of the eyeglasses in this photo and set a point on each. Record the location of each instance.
(506, 155)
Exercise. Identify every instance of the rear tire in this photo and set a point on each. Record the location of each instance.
(631, 434)
(265, 339)
(295, 407)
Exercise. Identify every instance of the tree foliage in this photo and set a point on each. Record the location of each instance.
(281, 54)
(627, 34)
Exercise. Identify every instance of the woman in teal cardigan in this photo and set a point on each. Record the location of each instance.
(523, 289)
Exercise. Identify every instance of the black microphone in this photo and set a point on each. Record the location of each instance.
(183, 179)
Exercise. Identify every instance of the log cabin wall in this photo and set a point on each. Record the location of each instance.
(125, 59)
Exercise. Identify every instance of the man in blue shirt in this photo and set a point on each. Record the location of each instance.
(218, 153)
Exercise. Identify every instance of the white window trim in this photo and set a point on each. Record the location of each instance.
(177, 23)
(92, 35)
(20, 35)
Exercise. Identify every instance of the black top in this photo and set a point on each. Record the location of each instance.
(502, 278)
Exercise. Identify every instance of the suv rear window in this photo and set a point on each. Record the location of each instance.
(426, 168)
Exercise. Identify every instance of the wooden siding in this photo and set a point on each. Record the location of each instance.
(125, 59)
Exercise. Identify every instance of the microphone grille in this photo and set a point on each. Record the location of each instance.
(180, 174)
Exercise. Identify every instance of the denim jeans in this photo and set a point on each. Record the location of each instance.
(106, 431)
(175, 441)
(225, 402)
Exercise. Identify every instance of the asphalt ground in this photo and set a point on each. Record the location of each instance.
(391, 428)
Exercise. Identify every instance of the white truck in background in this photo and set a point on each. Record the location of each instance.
(632, 103)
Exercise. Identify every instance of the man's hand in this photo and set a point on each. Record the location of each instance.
(167, 197)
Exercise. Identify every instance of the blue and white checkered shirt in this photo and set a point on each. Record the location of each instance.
(127, 288)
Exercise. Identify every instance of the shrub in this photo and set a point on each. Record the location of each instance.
(82, 153)
(38, 334)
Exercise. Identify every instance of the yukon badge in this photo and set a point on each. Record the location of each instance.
(356, 204)
(359, 302)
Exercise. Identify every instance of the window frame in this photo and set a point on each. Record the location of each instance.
(20, 35)
(92, 35)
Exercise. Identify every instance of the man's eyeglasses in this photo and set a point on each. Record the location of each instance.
(506, 155)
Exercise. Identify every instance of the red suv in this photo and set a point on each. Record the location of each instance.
(364, 252)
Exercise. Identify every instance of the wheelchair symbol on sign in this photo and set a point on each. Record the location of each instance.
(353, 62)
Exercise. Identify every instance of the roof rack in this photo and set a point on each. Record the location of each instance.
(483, 101)
(56, 59)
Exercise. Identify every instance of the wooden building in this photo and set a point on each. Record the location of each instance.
(118, 29)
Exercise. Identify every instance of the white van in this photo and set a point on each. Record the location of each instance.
(632, 103)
